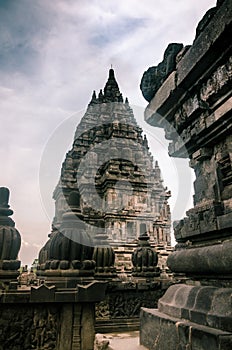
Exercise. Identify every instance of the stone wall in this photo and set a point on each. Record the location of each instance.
(46, 326)
(31, 317)
(43, 317)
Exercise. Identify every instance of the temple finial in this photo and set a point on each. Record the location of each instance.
(94, 98)
(4, 197)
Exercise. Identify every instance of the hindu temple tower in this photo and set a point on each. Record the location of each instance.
(120, 189)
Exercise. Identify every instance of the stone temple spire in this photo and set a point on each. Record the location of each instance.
(108, 149)
(111, 89)
(111, 92)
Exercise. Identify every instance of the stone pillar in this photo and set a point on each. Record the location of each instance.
(193, 104)
(10, 240)
(77, 330)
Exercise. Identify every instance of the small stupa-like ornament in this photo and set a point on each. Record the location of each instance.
(104, 257)
(10, 240)
(70, 250)
(145, 259)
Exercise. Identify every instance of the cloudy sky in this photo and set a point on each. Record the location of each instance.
(52, 55)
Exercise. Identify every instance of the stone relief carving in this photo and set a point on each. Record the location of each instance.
(29, 327)
(126, 304)
(102, 310)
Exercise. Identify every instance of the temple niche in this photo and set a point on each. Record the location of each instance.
(120, 189)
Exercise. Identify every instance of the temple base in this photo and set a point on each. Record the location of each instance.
(161, 332)
(189, 317)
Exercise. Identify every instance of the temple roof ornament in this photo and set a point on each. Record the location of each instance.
(10, 240)
(145, 259)
(111, 92)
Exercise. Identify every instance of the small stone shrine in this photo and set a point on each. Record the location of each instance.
(191, 98)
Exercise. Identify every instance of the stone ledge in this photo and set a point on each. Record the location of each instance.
(117, 325)
(159, 331)
(89, 293)
(213, 260)
(162, 95)
(208, 306)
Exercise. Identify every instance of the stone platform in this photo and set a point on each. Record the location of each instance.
(189, 317)
(163, 332)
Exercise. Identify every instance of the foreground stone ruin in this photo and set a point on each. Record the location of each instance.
(192, 101)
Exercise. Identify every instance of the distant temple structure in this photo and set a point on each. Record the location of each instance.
(121, 192)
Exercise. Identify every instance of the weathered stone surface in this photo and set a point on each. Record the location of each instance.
(154, 77)
(76, 327)
(42, 294)
(208, 306)
(199, 124)
(161, 332)
(49, 318)
(205, 21)
(214, 260)
(87, 327)
(104, 257)
(29, 327)
(208, 49)
(156, 332)
(195, 112)
(159, 98)
(209, 44)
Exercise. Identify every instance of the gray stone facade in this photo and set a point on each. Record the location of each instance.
(193, 105)
(110, 165)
